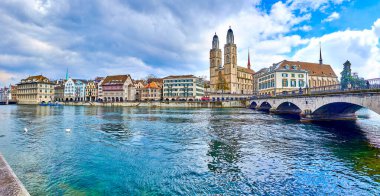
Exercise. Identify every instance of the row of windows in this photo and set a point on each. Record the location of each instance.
(174, 81)
(266, 77)
(293, 75)
(293, 83)
(268, 84)
(185, 84)
(179, 94)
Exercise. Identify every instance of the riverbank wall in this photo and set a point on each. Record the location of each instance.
(219, 104)
(9, 183)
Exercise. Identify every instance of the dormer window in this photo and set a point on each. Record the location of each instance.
(286, 66)
(294, 67)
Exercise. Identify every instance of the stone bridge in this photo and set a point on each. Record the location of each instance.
(337, 106)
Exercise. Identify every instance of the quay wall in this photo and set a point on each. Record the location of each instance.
(9, 183)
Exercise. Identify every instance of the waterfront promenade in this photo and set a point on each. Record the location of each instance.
(10, 185)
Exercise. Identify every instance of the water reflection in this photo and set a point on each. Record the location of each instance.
(135, 151)
(350, 143)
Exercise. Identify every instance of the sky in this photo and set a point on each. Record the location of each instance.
(165, 37)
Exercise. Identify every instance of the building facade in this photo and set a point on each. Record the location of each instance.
(281, 80)
(183, 87)
(293, 77)
(35, 90)
(118, 88)
(75, 90)
(92, 91)
(59, 92)
(151, 92)
(139, 85)
(226, 76)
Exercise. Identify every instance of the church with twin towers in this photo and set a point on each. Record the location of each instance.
(226, 76)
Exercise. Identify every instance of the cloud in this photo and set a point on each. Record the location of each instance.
(159, 37)
(303, 28)
(312, 5)
(361, 48)
(333, 16)
(6, 78)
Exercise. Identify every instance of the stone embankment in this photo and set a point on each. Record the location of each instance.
(224, 104)
(10, 185)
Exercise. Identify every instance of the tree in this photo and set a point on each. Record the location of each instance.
(149, 77)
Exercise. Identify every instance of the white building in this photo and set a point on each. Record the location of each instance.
(183, 87)
(75, 90)
(281, 80)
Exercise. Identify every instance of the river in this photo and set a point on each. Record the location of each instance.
(155, 151)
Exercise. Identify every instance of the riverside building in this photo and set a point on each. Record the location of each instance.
(139, 85)
(118, 88)
(293, 76)
(151, 92)
(35, 90)
(75, 90)
(183, 87)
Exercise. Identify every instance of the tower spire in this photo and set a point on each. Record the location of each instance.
(67, 74)
(320, 54)
(249, 61)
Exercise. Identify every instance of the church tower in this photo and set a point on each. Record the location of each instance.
(215, 62)
(230, 62)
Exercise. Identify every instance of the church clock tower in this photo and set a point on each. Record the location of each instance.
(230, 62)
(215, 62)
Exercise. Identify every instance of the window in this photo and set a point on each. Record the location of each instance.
(284, 83)
(301, 83)
(293, 75)
(300, 75)
(293, 83)
(284, 75)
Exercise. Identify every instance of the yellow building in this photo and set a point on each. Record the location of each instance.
(92, 91)
(229, 78)
(35, 90)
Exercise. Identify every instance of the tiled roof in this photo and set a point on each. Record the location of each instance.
(116, 79)
(157, 80)
(38, 78)
(246, 70)
(80, 80)
(152, 85)
(138, 81)
(314, 69)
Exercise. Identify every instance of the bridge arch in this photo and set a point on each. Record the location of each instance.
(253, 105)
(265, 106)
(288, 108)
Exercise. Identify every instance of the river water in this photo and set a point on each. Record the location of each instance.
(137, 151)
